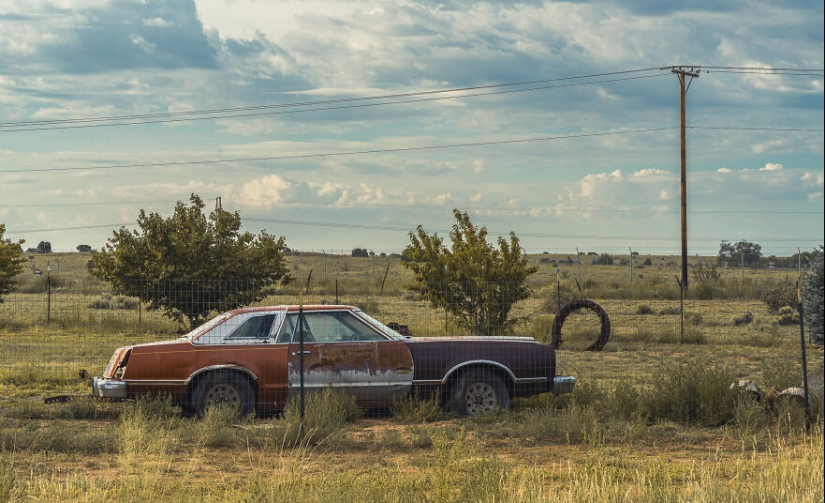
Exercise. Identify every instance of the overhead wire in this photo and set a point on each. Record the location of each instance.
(115, 121)
(218, 112)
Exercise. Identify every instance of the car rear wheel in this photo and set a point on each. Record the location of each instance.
(480, 392)
(224, 389)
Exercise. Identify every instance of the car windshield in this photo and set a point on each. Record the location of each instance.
(217, 320)
(380, 326)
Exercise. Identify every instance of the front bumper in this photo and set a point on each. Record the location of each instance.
(563, 384)
(108, 388)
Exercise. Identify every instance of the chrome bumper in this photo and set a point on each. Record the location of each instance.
(107, 388)
(563, 384)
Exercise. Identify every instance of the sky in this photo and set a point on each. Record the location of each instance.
(344, 124)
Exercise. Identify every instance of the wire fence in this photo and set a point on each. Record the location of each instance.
(56, 336)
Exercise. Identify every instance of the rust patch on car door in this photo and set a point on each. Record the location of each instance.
(374, 372)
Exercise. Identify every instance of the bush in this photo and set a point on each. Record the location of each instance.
(413, 409)
(788, 316)
(693, 393)
(781, 296)
(645, 309)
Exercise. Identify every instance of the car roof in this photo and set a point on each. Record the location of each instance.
(294, 308)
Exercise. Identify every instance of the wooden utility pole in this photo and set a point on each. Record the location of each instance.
(684, 85)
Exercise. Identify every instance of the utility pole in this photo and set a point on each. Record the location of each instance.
(684, 85)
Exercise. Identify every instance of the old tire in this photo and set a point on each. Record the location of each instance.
(227, 389)
(565, 310)
(479, 392)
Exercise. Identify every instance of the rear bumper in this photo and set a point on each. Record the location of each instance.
(563, 384)
(108, 388)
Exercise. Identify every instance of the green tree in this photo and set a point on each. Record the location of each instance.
(11, 262)
(189, 265)
(473, 281)
(732, 254)
(813, 295)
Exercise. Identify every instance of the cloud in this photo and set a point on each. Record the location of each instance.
(263, 193)
(103, 37)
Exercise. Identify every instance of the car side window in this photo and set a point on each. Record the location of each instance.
(328, 327)
(255, 327)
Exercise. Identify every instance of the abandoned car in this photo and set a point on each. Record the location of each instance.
(255, 359)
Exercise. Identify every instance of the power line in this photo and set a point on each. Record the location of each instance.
(337, 154)
(567, 209)
(398, 149)
(389, 228)
(255, 111)
(236, 112)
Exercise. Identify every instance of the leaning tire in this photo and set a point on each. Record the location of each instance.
(479, 392)
(227, 389)
(575, 305)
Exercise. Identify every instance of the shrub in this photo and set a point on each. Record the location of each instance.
(784, 294)
(413, 409)
(788, 316)
(744, 319)
(645, 309)
(694, 393)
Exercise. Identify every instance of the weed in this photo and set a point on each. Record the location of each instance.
(413, 409)
(695, 393)
(325, 415)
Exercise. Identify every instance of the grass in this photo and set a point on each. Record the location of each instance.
(653, 417)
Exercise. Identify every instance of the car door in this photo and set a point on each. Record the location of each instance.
(344, 353)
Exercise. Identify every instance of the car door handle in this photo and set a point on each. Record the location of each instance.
(305, 352)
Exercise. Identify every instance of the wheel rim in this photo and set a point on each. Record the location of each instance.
(480, 398)
(225, 395)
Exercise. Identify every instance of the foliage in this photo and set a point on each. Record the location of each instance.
(44, 247)
(473, 281)
(692, 392)
(782, 295)
(735, 254)
(705, 273)
(11, 262)
(84, 248)
(188, 266)
(360, 252)
(415, 409)
(813, 301)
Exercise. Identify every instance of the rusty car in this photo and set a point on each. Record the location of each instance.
(255, 359)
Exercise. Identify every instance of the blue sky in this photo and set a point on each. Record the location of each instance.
(565, 132)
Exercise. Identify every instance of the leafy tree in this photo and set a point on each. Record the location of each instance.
(813, 298)
(11, 262)
(44, 247)
(189, 265)
(731, 254)
(473, 281)
(84, 248)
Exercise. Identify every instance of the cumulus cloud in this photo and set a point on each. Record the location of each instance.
(263, 193)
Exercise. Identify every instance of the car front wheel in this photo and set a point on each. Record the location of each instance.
(224, 389)
(480, 392)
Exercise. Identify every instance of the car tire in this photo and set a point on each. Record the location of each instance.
(478, 392)
(229, 389)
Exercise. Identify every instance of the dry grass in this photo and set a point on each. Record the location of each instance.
(616, 438)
